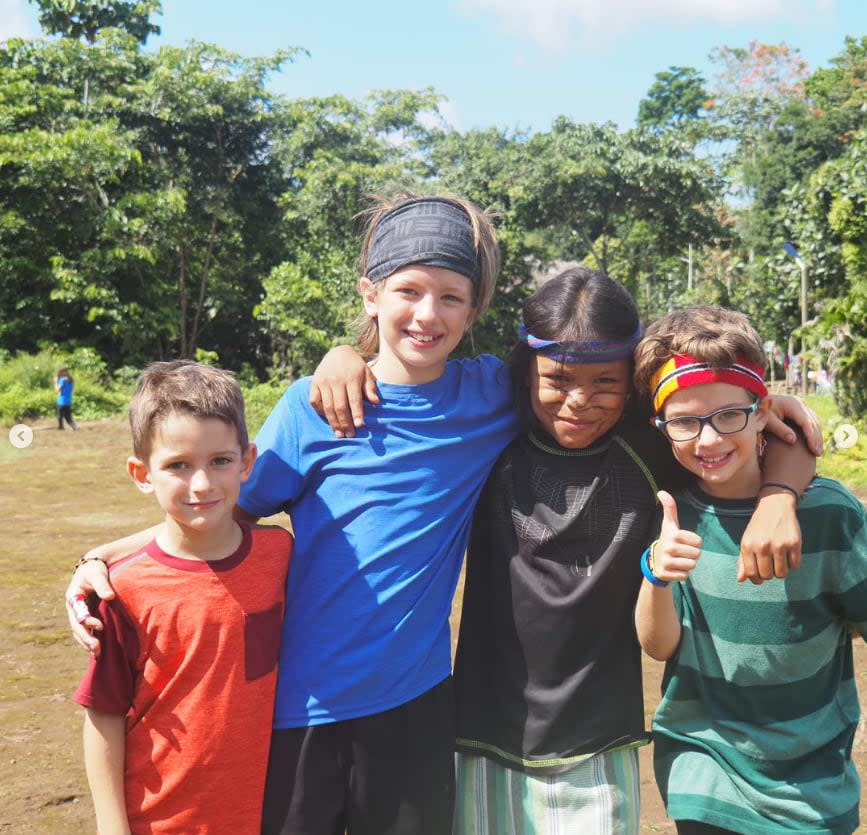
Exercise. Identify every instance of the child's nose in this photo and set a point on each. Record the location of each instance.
(425, 309)
(200, 481)
(708, 435)
(578, 396)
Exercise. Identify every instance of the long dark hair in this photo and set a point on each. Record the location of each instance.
(577, 304)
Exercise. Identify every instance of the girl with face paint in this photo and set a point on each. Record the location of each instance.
(548, 671)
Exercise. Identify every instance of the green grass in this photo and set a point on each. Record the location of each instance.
(848, 466)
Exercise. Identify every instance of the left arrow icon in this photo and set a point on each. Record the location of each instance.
(21, 436)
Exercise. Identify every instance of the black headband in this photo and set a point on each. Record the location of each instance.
(429, 231)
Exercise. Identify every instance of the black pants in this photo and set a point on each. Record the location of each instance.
(65, 413)
(391, 773)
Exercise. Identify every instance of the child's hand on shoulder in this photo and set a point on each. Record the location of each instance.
(676, 551)
(340, 384)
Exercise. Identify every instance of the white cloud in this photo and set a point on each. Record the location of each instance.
(449, 111)
(13, 20)
(557, 25)
(445, 116)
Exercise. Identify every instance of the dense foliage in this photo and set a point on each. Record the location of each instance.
(163, 203)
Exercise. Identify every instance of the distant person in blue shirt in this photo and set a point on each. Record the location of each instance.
(63, 385)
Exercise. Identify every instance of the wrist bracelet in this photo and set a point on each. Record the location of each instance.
(647, 571)
(650, 564)
(782, 486)
(83, 560)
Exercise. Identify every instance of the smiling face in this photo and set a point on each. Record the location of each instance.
(575, 403)
(195, 469)
(422, 313)
(726, 465)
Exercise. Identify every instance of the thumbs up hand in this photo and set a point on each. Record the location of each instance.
(676, 551)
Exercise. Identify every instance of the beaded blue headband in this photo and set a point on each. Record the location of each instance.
(584, 350)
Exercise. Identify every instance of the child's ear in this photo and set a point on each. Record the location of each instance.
(367, 290)
(248, 458)
(762, 413)
(140, 474)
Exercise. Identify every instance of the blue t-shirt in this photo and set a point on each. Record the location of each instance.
(381, 523)
(64, 395)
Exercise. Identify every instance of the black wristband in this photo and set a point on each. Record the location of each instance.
(83, 560)
(782, 486)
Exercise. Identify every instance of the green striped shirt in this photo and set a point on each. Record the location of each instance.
(759, 710)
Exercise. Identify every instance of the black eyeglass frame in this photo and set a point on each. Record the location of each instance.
(662, 425)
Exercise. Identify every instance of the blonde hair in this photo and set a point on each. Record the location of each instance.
(188, 388)
(484, 237)
(707, 332)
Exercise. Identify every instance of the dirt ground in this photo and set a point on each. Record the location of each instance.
(64, 493)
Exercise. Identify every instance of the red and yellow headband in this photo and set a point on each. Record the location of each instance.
(682, 371)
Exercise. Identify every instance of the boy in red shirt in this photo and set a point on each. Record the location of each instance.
(179, 702)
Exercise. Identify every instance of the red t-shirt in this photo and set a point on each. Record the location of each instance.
(189, 656)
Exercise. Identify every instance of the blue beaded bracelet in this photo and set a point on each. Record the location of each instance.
(649, 575)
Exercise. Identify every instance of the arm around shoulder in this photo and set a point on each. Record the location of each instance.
(116, 550)
(792, 465)
(91, 577)
(771, 544)
(340, 384)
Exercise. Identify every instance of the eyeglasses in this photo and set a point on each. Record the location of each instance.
(726, 421)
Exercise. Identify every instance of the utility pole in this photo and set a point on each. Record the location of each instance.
(792, 252)
(690, 274)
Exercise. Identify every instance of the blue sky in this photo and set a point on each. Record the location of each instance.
(513, 64)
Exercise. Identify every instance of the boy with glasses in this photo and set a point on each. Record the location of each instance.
(759, 709)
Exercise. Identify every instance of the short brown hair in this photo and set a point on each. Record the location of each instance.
(707, 332)
(188, 388)
(487, 247)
